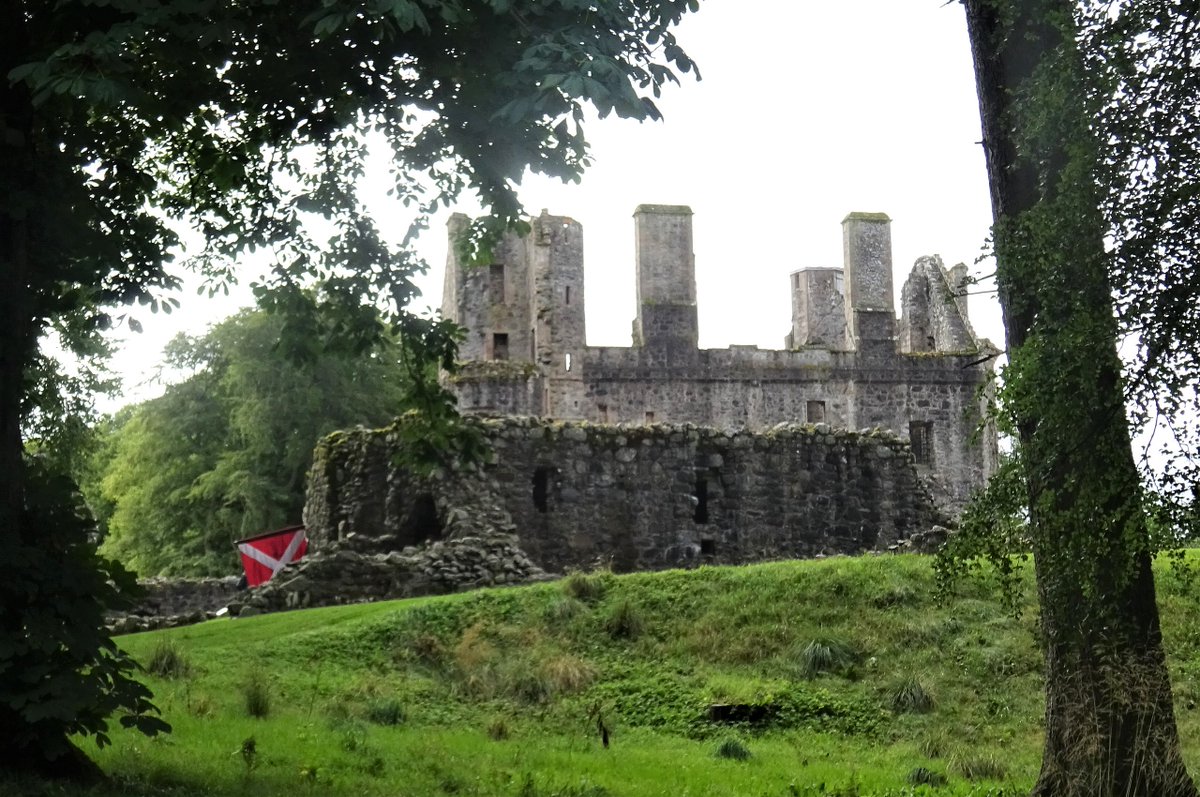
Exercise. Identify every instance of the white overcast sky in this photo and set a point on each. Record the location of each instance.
(806, 111)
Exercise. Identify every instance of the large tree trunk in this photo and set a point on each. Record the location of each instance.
(14, 357)
(1110, 725)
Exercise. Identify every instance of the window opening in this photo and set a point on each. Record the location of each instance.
(500, 346)
(816, 411)
(700, 499)
(541, 487)
(567, 361)
(708, 547)
(422, 523)
(920, 437)
(649, 417)
(496, 283)
(568, 294)
(603, 410)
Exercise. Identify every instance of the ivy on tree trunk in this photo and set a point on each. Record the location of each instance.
(1110, 725)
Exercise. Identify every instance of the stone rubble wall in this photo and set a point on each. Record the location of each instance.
(558, 495)
(358, 568)
(634, 497)
(171, 602)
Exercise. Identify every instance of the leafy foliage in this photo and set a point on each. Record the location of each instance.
(58, 668)
(225, 452)
(1143, 68)
(245, 122)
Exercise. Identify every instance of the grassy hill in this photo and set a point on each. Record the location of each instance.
(835, 677)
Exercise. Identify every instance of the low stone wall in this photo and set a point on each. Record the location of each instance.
(632, 497)
(361, 568)
(169, 602)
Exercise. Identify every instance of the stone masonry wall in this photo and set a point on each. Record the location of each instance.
(635, 497)
(849, 362)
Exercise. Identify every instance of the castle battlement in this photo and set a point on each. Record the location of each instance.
(847, 360)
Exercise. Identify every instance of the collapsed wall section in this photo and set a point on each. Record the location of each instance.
(637, 497)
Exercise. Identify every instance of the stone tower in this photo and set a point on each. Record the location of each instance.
(666, 279)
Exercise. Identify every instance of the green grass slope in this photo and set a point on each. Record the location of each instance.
(835, 677)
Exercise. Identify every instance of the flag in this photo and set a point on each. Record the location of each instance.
(265, 555)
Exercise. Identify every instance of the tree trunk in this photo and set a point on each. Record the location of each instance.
(1110, 725)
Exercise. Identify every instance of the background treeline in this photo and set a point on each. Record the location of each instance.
(224, 452)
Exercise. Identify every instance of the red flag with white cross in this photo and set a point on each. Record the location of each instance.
(265, 555)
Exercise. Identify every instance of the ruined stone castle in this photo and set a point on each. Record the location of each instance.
(847, 361)
(862, 433)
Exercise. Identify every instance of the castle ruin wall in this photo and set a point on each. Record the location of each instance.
(850, 362)
(635, 497)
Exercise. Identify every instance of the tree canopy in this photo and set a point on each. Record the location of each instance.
(244, 120)
(224, 453)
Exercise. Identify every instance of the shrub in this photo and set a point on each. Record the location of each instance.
(386, 711)
(826, 654)
(733, 749)
(167, 660)
(624, 621)
(912, 697)
(256, 697)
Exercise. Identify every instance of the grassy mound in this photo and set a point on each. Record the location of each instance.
(835, 677)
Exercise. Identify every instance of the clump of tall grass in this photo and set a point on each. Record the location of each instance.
(911, 697)
(923, 776)
(491, 663)
(167, 660)
(586, 587)
(498, 729)
(386, 711)
(256, 697)
(733, 748)
(985, 767)
(827, 655)
(624, 621)
(562, 609)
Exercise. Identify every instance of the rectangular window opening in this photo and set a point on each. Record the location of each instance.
(567, 361)
(568, 294)
(700, 500)
(815, 411)
(500, 346)
(920, 437)
(496, 283)
(541, 488)
(649, 417)
(602, 409)
(708, 547)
